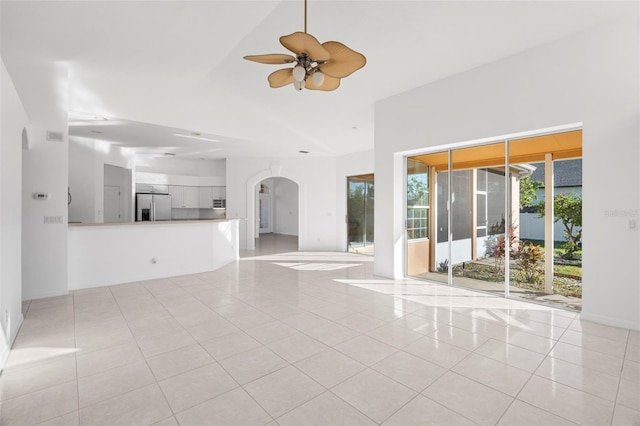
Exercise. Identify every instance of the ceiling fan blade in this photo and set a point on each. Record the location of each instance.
(301, 43)
(281, 77)
(329, 84)
(271, 58)
(344, 61)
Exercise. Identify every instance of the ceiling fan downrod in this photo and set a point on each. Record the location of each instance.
(305, 16)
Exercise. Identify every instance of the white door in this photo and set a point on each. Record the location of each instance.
(111, 204)
(265, 211)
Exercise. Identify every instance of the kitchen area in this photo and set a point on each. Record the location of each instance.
(133, 219)
(160, 202)
(108, 184)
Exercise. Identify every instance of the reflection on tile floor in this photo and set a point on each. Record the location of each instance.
(312, 338)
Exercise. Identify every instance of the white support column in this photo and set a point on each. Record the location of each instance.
(514, 205)
(474, 214)
(508, 208)
(549, 216)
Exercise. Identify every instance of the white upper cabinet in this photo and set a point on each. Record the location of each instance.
(184, 197)
(206, 197)
(193, 197)
(219, 192)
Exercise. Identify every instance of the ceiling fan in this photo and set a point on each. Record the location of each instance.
(317, 66)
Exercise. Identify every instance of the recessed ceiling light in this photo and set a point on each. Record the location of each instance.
(303, 152)
(192, 136)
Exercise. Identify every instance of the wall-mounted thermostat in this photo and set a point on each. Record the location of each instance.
(41, 196)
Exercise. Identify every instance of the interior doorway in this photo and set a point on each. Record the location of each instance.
(360, 213)
(265, 210)
(466, 211)
(112, 195)
(276, 207)
(117, 197)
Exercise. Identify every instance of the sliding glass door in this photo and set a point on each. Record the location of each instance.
(463, 217)
(360, 213)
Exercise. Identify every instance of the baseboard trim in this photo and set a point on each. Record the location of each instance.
(5, 354)
(607, 320)
(3, 359)
(45, 295)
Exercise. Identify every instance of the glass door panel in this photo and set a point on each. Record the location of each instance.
(548, 257)
(360, 213)
(478, 217)
(427, 218)
(442, 261)
(369, 215)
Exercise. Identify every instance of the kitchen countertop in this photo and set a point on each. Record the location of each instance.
(160, 222)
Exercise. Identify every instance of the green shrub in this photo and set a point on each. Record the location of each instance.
(528, 258)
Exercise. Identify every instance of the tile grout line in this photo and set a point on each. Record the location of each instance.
(531, 375)
(140, 349)
(615, 401)
(75, 344)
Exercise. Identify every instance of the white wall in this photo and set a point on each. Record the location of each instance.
(178, 166)
(12, 122)
(285, 206)
(590, 78)
(359, 163)
(179, 180)
(44, 169)
(315, 177)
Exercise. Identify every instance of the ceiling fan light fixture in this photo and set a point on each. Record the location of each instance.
(317, 78)
(298, 85)
(299, 73)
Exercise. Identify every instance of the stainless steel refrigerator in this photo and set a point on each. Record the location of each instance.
(153, 207)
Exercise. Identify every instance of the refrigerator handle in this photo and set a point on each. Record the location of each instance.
(153, 211)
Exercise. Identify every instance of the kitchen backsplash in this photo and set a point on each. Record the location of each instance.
(193, 214)
(185, 214)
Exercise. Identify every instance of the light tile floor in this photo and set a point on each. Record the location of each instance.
(312, 338)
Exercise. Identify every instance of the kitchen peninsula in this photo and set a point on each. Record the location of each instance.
(115, 253)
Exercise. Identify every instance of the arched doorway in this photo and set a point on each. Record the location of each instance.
(284, 205)
(278, 206)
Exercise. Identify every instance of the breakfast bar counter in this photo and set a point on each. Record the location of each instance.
(115, 253)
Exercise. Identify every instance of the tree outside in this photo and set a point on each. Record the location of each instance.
(568, 209)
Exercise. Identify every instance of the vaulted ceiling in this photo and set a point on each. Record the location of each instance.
(155, 69)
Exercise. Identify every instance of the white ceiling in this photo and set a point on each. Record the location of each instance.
(160, 68)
